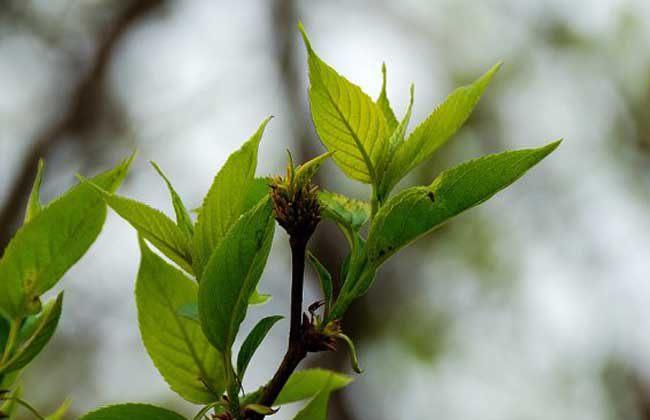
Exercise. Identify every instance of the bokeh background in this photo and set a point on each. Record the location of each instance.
(534, 306)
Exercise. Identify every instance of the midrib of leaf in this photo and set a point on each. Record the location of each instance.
(240, 294)
(188, 342)
(460, 178)
(357, 141)
(158, 236)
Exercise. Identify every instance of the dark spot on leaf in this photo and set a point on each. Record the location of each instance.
(382, 252)
(259, 237)
(431, 196)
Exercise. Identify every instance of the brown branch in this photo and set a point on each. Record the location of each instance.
(285, 17)
(297, 349)
(82, 114)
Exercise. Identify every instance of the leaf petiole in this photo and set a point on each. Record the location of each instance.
(12, 339)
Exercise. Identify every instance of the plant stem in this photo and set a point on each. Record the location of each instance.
(25, 405)
(232, 385)
(14, 329)
(374, 202)
(298, 251)
(296, 351)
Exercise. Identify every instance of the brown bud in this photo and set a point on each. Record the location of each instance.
(295, 204)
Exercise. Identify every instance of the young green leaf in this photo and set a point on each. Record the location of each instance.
(252, 342)
(177, 346)
(226, 200)
(35, 336)
(191, 310)
(155, 227)
(34, 203)
(232, 273)
(132, 412)
(431, 134)
(347, 120)
(307, 170)
(384, 104)
(55, 239)
(183, 219)
(308, 383)
(344, 210)
(355, 272)
(258, 298)
(397, 136)
(316, 409)
(259, 409)
(417, 210)
(324, 277)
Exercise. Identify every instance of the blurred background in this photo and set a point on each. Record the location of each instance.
(534, 306)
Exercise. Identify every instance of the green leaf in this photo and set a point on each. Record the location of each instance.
(384, 104)
(252, 342)
(155, 227)
(35, 335)
(432, 133)
(347, 120)
(344, 210)
(177, 346)
(183, 219)
(259, 409)
(226, 200)
(397, 137)
(189, 311)
(232, 273)
(256, 191)
(132, 412)
(307, 170)
(316, 409)
(308, 383)
(324, 277)
(54, 240)
(417, 210)
(258, 298)
(34, 203)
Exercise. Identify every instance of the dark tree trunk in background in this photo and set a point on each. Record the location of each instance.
(326, 241)
(85, 107)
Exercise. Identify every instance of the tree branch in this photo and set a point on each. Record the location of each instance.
(81, 115)
(297, 349)
(285, 17)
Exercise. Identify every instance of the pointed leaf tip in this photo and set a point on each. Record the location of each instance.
(129, 160)
(34, 202)
(494, 70)
(550, 148)
(305, 38)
